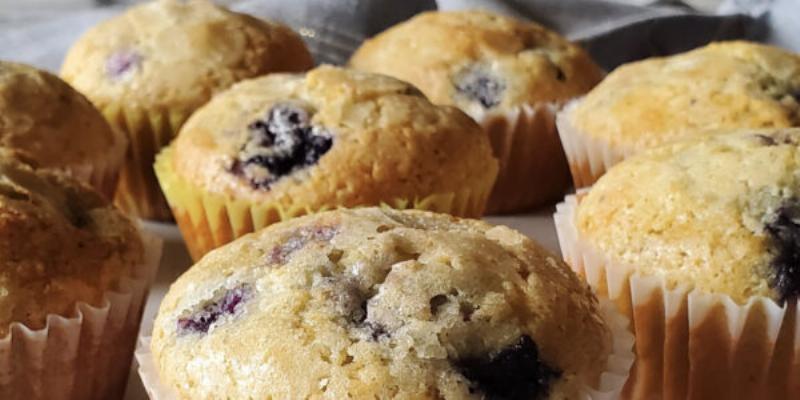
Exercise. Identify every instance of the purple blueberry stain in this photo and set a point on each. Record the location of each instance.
(229, 303)
(783, 231)
(122, 63)
(280, 144)
(281, 253)
(514, 373)
(478, 84)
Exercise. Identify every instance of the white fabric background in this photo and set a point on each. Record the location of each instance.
(40, 31)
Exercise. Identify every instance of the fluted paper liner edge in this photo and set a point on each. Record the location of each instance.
(588, 158)
(533, 168)
(138, 192)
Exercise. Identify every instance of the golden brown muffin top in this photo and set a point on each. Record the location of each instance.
(330, 137)
(727, 85)
(480, 61)
(60, 243)
(43, 116)
(177, 54)
(719, 213)
(379, 303)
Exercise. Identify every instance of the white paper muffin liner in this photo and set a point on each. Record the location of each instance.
(533, 169)
(609, 385)
(690, 343)
(589, 158)
(81, 357)
(102, 173)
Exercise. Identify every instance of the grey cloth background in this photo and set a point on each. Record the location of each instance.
(613, 31)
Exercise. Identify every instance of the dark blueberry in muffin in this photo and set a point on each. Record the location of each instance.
(284, 142)
(784, 233)
(480, 85)
(122, 62)
(226, 304)
(516, 372)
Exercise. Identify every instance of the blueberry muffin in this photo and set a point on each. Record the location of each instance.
(723, 86)
(151, 67)
(507, 74)
(285, 145)
(58, 127)
(73, 276)
(709, 230)
(380, 303)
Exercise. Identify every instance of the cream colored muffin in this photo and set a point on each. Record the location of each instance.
(151, 67)
(719, 214)
(378, 303)
(58, 127)
(507, 74)
(60, 244)
(699, 241)
(727, 85)
(284, 145)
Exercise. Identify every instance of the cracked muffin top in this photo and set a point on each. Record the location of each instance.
(378, 303)
(50, 121)
(719, 213)
(726, 85)
(60, 243)
(177, 54)
(330, 137)
(480, 61)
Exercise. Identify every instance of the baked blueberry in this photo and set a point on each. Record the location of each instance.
(226, 304)
(282, 143)
(479, 85)
(516, 372)
(122, 62)
(784, 233)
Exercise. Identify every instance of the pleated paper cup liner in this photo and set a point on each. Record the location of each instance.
(588, 157)
(607, 386)
(85, 356)
(102, 172)
(209, 220)
(533, 168)
(138, 193)
(691, 344)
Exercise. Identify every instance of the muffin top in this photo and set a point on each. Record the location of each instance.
(60, 243)
(479, 61)
(177, 54)
(330, 137)
(719, 213)
(54, 124)
(378, 303)
(723, 86)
